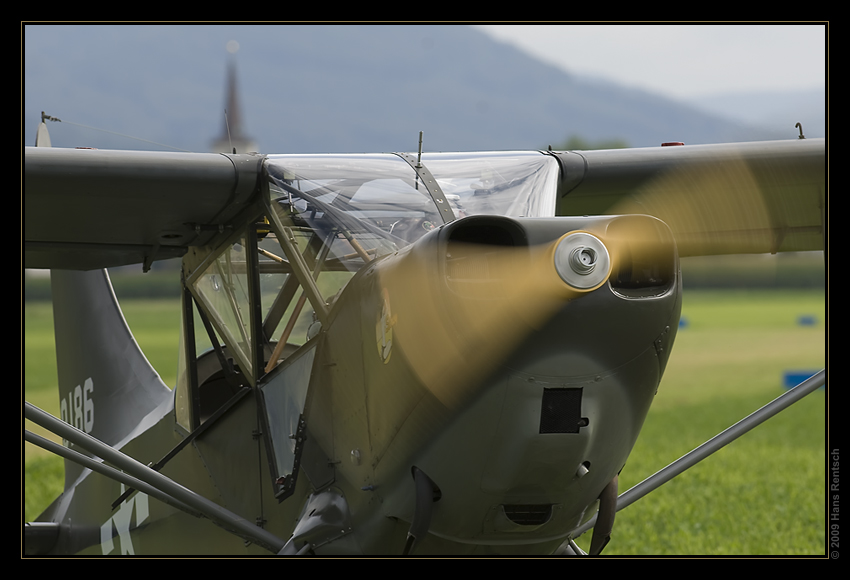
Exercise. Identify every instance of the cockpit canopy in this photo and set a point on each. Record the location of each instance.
(386, 203)
(270, 287)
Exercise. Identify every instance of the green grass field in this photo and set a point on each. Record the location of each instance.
(763, 494)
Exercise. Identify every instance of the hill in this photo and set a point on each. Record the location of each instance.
(335, 89)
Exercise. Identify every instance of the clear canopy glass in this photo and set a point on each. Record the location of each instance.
(519, 184)
(380, 203)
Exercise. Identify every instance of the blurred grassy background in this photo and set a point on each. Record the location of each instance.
(763, 494)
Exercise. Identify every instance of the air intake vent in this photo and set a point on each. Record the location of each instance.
(561, 411)
(481, 258)
(529, 515)
(647, 263)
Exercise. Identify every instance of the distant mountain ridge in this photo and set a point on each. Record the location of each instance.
(317, 89)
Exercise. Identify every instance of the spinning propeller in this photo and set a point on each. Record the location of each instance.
(458, 309)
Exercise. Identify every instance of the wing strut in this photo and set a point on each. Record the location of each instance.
(217, 514)
(714, 444)
(131, 482)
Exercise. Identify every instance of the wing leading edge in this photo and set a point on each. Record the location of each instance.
(87, 209)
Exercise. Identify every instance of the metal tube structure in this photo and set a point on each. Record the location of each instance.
(103, 469)
(714, 444)
(219, 515)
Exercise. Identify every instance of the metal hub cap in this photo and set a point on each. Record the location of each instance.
(582, 261)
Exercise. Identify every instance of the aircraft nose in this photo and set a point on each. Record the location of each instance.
(541, 343)
(462, 299)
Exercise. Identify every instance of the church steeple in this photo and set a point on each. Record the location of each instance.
(237, 138)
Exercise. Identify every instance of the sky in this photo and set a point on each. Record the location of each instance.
(681, 61)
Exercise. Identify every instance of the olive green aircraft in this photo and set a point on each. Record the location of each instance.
(408, 353)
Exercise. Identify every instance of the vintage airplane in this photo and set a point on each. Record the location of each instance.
(410, 353)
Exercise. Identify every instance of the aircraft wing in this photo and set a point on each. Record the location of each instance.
(87, 208)
(718, 199)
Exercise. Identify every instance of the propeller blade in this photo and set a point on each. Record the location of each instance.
(717, 199)
(457, 311)
(715, 207)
